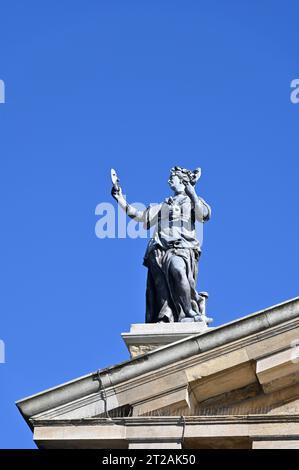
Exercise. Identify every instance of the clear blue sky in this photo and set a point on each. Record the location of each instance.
(139, 86)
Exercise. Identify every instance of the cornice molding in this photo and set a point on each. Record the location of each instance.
(170, 420)
(179, 355)
(168, 370)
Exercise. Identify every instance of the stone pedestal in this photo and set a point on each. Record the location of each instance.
(144, 337)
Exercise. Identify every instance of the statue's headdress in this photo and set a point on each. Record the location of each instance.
(187, 176)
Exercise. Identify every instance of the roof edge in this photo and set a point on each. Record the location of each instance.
(161, 357)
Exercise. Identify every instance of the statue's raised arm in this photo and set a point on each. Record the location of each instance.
(117, 194)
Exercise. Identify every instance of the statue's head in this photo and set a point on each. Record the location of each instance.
(180, 177)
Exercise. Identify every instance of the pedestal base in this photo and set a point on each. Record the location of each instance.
(144, 337)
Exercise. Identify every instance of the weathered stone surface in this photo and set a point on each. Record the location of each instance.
(278, 370)
(198, 432)
(155, 445)
(276, 444)
(145, 337)
(167, 402)
(136, 350)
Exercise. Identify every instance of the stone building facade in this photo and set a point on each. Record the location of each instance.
(233, 386)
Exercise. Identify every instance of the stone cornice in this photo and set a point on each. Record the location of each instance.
(205, 356)
(168, 370)
(184, 430)
(173, 420)
(252, 328)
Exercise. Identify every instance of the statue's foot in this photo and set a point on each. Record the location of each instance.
(198, 318)
(187, 320)
(163, 320)
(192, 314)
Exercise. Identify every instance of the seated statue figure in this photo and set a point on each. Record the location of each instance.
(173, 251)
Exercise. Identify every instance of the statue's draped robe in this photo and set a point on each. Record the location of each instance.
(173, 222)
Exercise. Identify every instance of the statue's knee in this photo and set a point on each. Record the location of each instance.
(179, 274)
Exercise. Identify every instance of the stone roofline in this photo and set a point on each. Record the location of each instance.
(223, 335)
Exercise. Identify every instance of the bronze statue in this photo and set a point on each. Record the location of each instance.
(173, 251)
